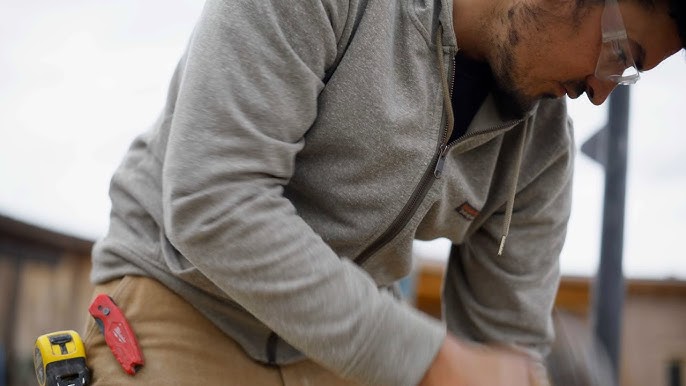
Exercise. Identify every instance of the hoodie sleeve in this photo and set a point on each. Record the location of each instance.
(247, 96)
(508, 299)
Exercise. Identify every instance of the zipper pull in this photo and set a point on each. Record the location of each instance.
(438, 171)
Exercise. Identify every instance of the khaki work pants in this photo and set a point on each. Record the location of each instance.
(181, 347)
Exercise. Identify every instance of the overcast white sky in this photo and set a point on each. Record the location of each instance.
(79, 79)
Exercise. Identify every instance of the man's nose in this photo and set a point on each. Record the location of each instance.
(598, 90)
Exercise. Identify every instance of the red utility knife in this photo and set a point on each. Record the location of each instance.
(118, 333)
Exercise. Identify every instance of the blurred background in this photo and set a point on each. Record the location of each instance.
(80, 79)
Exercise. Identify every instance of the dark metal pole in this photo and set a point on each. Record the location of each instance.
(609, 285)
(3, 366)
(674, 373)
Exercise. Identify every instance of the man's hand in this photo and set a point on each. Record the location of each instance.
(460, 363)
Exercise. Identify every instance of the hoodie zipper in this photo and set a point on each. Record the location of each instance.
(447, 130)
(420, 190)
(404, 216)
(445, 148)
(434, 171)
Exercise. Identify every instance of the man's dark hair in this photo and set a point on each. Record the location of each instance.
(677, 10)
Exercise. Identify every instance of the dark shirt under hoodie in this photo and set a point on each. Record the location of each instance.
(473, 81)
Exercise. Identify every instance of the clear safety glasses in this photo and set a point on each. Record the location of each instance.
(615, 62)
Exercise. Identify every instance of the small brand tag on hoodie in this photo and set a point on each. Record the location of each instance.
(467, 211)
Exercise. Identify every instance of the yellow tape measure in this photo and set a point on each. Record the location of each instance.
(60, 359)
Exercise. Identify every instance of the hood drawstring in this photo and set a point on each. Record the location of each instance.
(509, 208)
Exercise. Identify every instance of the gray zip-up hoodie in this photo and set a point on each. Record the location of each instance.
(302, 148)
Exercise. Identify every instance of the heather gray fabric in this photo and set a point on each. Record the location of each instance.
(295, 161)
